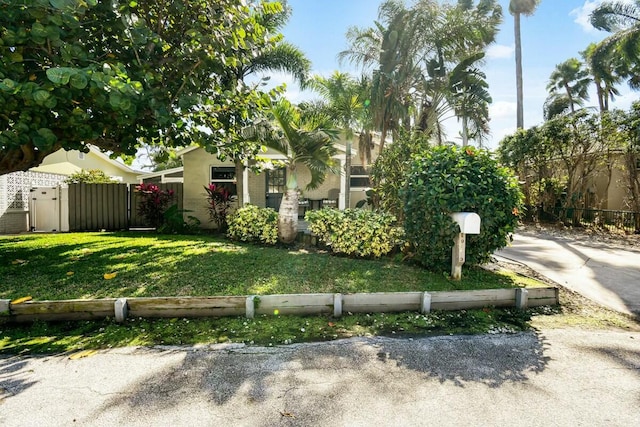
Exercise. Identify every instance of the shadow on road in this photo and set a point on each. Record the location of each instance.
(14, 376)
(313, 378)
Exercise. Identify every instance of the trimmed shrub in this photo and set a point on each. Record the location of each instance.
(355, 232)
(444, 180)
(253, 224)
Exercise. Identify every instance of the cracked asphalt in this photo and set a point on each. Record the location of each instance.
(557, 377)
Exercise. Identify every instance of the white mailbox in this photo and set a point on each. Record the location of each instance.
(469, 222)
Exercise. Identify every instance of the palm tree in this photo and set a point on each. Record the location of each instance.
(347, 103)
(387, 46)
(605, 76)
(621, 18)
(517, 8)
(572, 78)
(305, 138)
(470, 98)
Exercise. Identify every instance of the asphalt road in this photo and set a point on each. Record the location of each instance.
(565, 377)
(605, 273)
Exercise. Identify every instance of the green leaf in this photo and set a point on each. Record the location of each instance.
(41, 96)
(64, 4)
(79, 81)
(115, 99)
(15, 57)
(8, 85)
(60, 75)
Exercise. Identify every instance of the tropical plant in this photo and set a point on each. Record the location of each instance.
(572, 78)
(518, 8)
(622, 18)
(444, 180)
(606, 75)
(218, 204)
(253, 224)
(391, 169)
(91, 176)
(411, 68)
(152, 203)
(356, 232)
(116, 74)
(305, 139)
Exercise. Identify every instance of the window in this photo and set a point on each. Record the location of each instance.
(359, 177)
(225, 177)
(81, 155)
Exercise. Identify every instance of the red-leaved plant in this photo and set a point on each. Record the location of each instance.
(219, 203)
(153, 202)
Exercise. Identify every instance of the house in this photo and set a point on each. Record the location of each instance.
(163, 177)
(15, 188)
(266, 188)
(69, 162)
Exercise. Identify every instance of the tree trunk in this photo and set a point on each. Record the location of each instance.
(288, 213)
(519, 94)
(465, 132)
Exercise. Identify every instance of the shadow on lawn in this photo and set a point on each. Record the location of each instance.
(161, 265)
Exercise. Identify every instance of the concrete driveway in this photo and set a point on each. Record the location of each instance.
(606, 273)
(558, 377)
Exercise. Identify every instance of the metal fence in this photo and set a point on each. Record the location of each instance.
(610, 219)
(109, 207)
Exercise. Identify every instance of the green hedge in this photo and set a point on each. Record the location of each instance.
(444, 180)
(355, 232)
(253, 224)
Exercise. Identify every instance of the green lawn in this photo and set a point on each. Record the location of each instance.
(73, 265)
(66, 266)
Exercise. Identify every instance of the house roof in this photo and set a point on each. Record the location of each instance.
(62, 168)
(116, 163)
(147, 175)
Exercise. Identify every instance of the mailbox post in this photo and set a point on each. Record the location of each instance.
(469, 223)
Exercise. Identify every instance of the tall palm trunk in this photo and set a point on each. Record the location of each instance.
(288, 212)
(519, 93)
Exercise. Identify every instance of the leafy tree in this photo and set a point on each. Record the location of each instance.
(92, 176)
(305, 139)
(116, 74)
(390, 170)
(518, 8)
(444, 180)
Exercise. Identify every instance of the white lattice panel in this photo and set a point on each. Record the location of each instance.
(14, 187)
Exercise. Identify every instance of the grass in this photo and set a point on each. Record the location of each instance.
(68, 266)
(153, 265)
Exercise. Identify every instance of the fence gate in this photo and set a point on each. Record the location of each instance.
(44, 209)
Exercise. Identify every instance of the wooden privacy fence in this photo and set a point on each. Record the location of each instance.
(249, 306)
(110, 207)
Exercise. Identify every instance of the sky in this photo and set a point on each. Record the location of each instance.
(557, 31)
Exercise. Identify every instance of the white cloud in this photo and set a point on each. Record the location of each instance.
(502, 109)
(582, 14)
(498, 51)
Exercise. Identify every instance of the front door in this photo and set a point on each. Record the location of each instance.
(276, 187)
